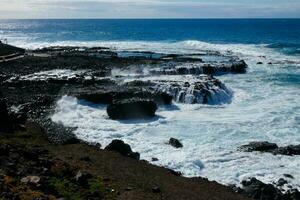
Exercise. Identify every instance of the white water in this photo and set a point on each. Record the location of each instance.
(265, 106)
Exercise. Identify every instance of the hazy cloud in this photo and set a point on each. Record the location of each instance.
(148, 8)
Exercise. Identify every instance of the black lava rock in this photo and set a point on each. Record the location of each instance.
(175, 143)
(256, 189)
(259, 146)
(290, 150)
(132, 109)
(122, 148)
(273, 148)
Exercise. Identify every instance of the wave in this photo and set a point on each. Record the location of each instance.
(286, 48)
(262, 52)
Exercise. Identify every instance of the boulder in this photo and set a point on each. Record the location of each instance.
(256, 189)
(259, 146)
(132, 109)
(122, 148)
(175, 143)
(239, 66)
(34, 180)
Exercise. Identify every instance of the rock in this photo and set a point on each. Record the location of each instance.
(256, 189)
(175, 143)
(154, 159)
(82, 178)
(290, 150)
(281, 182)
(239, 66)
(273, 148)
(122, 148)
(259, 146)
(288, 176)
(132, 109)
(204, 90)
(18, 114)
(35, 180)
(156, 190)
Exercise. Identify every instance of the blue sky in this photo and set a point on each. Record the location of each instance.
(149, 8)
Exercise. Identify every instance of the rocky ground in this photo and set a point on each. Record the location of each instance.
(43, 160)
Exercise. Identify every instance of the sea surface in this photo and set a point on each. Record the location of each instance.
(265, 104)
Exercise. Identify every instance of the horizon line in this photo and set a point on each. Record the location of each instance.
(209, 18)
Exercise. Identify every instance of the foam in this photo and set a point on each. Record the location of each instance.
(265, 106)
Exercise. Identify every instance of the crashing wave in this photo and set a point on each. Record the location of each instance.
(206, 90)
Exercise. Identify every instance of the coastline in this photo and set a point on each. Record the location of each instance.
(39, 93)
(123, 178)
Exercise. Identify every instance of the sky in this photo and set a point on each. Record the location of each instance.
(28, 9)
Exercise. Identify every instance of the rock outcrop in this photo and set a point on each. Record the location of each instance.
(273, 148)
(132, 109)
(122, 148)
(256, 189)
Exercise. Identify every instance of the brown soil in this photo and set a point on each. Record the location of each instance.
(124, 178)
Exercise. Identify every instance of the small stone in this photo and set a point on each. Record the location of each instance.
(156, 190)
(31, 180)
(288, 176)
(154, 159)
(281, 182)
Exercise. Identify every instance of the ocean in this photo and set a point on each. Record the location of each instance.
(265, 104)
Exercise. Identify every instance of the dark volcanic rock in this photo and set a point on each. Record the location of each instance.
(256, 189)
(290, 150)
(132, 109)
(259, 146)
(122, 148)
(239, 66)
(114, 93)
(175, 143)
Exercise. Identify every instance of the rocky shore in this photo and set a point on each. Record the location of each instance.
(44, 160)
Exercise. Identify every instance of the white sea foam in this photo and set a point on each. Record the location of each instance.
(265, 106)
(261, 51)
(51, 74)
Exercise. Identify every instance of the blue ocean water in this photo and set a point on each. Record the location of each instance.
(282, 34)
(265, 103)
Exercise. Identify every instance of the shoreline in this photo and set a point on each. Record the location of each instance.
(130, 180)
(35, 93)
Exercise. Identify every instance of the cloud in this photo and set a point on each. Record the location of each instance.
(148, 8)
